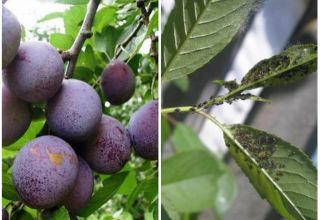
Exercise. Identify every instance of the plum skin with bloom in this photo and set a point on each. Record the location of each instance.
(44, 172)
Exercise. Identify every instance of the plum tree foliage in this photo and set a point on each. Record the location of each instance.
(58, 125)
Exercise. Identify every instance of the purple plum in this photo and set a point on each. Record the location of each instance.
(11, 36)
(143, 129)
(5, 214)
(75, 111)
(82, 191)
(16, 117)
(36, 73)
(45, 172)
(109, 150)
(117, 82)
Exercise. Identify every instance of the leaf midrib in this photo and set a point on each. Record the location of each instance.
(187, 37)
(278, 73)
(263, 171)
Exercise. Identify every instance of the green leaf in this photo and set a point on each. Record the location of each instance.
(87, 58)
(185, 138)
(129, 184)
(135, 193)
(33, 130)
(151, 189)
(61, 41)
(196, 31)
(73, 19)
(280, 172)
(72, 2)
(165, 130)
(83, 73)
(105, 17)
(153, 24)
(134, 63)
(289, 66)
(110, 187)
(182, 83)
(58, 214)
(168, 211)
(8, 190)
(195, 180)
(106, 41)
(125, 1)
(51, 16)
(21, 215)
(148, 216)
(135, 44)
(7, 154)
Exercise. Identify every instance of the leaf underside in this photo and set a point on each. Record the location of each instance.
(289, 66)
(196, 31)
(195, 180)
(280, 172)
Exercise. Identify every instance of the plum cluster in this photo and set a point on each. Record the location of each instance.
(57, 168)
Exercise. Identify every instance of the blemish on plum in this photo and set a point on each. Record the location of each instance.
(55, 158)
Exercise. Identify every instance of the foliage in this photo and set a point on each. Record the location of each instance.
(197, 31)
(192, 178)
(279, 171)
(114, 21)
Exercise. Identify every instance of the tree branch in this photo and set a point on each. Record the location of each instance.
(153, 49)
(72, 54)
(144, 19)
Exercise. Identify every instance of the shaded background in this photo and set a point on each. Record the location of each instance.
(292, 114)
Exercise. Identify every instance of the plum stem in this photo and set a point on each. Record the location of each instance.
(144, 19)
(72, 54)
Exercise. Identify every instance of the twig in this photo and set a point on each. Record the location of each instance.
(16, 206)
(72, 54)
(143, 20)
(154, 55)
(153, 49)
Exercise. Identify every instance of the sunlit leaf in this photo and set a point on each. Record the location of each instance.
(61, 41)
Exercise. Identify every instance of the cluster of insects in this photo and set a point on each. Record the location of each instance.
(261, 147)
(266, 67)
